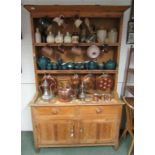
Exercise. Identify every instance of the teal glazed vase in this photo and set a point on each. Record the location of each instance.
(49, 66)
(92, 65)
(42, 62)
(110, 65)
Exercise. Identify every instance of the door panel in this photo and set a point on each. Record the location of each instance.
(55, 131)
(97, 130)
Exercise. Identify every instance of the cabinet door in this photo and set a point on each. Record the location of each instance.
(55, 131)
(97, 130)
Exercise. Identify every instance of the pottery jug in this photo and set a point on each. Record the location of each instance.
(50, 38)
(59, 38)
(101, 35)
(37, 36)
(67, 38)
(46, 91)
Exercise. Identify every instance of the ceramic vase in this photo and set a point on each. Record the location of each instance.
(50, 38)
(37, 36)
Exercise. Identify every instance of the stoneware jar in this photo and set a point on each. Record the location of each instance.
(67, 38)
(101, 35)
(59, 38)
(50, 38)
(37, 36)
(75, 38)
(112, 36)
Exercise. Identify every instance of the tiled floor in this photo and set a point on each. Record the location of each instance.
(27, 148)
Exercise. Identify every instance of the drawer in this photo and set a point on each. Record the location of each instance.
(53, 110)
(99, 110)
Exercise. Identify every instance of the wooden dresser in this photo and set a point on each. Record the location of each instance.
(57, 124)
(76, 124)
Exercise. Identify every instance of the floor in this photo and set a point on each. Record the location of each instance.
(27, 148)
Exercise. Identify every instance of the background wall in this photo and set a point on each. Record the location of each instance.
(27, 77)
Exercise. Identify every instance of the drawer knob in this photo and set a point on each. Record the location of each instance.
(98, 110)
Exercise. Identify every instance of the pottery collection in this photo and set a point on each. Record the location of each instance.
(78, 85)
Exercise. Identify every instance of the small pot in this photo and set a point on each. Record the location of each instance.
(92, 65)
(86, 64)
(64, 66)
(55, 66)
(101, 66)
(49, 66)
(110, 64)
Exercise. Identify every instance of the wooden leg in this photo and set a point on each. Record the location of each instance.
(131, 133)
(37, 150)
(124, 133)
(116, 146)
(131, 147)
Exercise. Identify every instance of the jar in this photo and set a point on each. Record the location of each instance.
(50, 38)
(67, 38)
(101, 35)
(59, 38)
(75, 38)
(112, 36)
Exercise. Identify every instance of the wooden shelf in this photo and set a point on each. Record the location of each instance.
(75, 71)
(130, 89)
(71, 44)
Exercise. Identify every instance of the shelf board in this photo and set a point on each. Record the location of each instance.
(130, 89)
(71, 44)
(75, 71)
